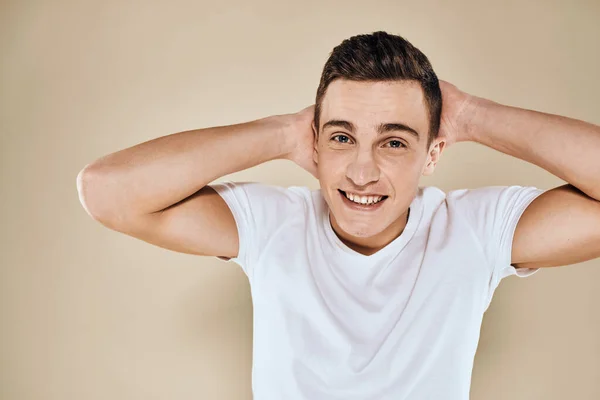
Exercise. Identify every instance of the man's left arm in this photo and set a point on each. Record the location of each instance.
(562, 225)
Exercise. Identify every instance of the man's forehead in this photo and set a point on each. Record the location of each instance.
(375, 102)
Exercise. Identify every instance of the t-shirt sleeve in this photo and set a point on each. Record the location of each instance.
(259, 210)
(493, 212)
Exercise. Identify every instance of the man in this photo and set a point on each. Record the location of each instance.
(371, 287)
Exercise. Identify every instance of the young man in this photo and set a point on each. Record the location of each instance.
(371, 287)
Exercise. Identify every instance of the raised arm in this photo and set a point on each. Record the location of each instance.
(157, 190)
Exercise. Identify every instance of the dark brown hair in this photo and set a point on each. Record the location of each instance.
(381, 56)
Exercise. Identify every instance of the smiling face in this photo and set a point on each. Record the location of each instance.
(372, 141)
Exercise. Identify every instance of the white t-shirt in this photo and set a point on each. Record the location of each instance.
(404, 323)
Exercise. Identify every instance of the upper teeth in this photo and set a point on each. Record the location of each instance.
(363, 199)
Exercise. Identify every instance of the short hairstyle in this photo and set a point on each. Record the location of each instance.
(381, 56)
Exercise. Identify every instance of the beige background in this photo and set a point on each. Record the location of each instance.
(88, 313)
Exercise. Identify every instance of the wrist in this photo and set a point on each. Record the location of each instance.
(284, 125)
(278, 127)
(474, 110)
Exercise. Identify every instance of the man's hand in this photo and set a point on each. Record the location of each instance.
(299, 130)
(457, 110)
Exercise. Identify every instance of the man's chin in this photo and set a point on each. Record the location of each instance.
(357, 228)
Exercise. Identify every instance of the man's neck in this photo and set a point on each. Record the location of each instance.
(371, 245)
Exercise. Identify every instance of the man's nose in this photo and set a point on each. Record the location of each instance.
(363, 169)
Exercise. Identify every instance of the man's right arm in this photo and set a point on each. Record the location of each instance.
(157, 190)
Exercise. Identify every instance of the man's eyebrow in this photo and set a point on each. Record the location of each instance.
(381, 128)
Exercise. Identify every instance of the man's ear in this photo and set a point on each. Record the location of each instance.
(433, 156)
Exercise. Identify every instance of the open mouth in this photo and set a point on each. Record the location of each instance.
(362, 201)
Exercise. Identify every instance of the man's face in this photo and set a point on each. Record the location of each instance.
(357, 159)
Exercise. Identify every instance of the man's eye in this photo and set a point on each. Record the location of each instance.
(398, 144)
(341, 136)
